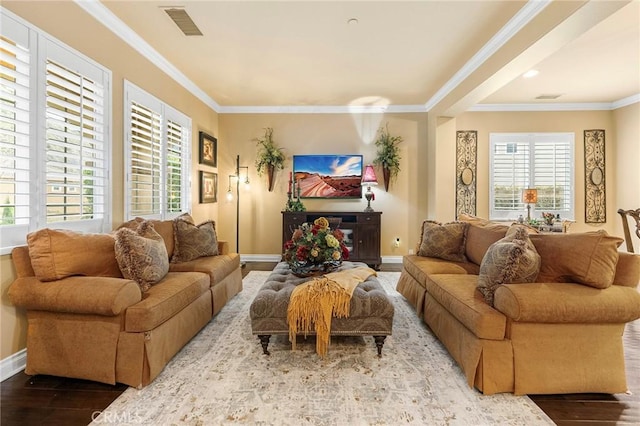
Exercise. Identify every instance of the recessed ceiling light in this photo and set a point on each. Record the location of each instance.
(530, 73)
(353, 21)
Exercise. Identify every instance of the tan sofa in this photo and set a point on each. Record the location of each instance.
(555, 335)
(99, 326)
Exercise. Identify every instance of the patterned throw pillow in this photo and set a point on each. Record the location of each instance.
(513, 259)
(192, 242)
(443, 241)
(141, 255)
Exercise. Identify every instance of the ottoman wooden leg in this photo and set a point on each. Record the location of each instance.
(264, 341)
(379, 343)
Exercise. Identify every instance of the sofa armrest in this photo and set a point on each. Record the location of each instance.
(567, 303)
(79, 295)
(628, 270)
(223, 247)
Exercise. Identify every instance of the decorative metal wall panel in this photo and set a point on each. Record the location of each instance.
(595, 206)
(466, 167)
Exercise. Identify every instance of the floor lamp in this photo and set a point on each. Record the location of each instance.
(230, 198)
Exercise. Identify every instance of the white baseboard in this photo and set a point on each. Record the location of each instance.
(277, 257)
(13, 364)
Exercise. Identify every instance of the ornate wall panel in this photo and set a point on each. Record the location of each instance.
(466, 167)
(595, 207)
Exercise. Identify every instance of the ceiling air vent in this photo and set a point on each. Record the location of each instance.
(183, 21)
(548, 97)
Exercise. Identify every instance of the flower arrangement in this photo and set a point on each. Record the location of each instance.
(315, 248)
(548, 218)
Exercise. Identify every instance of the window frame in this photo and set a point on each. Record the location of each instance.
(531, 139)
(42, 47)
(133, 93)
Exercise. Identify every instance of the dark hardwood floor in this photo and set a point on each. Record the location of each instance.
(46, 400)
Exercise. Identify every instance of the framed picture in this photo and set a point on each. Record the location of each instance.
(208, 187)
(208, 150)
(328, 176)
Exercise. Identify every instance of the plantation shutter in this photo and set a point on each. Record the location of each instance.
(146, 160)
(157, 153)
(15, 152)
(541, 160)
(176, 139)
(511, 171)
(553, 170)
(75, 146)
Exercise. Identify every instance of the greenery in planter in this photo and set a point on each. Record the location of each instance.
(388, 154)
(268, 153)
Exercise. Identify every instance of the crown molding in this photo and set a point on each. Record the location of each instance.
(593, 106)
(511, 28)
(322, 109)
(103, 15)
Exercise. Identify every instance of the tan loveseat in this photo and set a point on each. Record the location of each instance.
(94, 324)
(554, 335)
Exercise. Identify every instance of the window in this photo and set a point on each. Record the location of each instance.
(54, 136)
(158, 157)
(540, 160)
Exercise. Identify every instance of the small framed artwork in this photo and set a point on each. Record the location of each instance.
(208, 187)
(208, 150)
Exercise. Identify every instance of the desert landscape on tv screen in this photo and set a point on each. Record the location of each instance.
(328, 176)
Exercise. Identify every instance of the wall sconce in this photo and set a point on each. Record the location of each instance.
(368, 179)
(230, 197)
(529, 196)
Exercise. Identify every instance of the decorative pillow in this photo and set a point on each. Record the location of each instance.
(142, 255)
(57, 253)
(443, 241)
(588, 258)
(192, 242)
(512, 259)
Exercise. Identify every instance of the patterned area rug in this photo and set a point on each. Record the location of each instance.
(222, 377)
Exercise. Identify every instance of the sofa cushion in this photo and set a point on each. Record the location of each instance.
(480, 235)
(164, 300)
(193, 241)
(457, 294)
(512, 259)
(444, 241)
(57, 254)
(217, 267)
(588, 258)
(141, 255)
(420, 267)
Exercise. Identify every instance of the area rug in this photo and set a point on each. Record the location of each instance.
(222, 378)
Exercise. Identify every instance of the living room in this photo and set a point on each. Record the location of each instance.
(425, 187)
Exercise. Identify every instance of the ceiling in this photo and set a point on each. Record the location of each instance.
(306, 53)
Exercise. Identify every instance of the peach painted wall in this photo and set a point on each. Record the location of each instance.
(627, 169)
(260, 210)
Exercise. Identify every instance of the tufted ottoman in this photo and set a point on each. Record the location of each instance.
(371, 311)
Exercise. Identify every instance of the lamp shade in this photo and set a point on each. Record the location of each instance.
(369, 176)
(530, 196)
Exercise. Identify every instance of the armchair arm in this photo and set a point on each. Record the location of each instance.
(563, 303)
(79, 295)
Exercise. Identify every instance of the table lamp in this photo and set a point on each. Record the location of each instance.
(529, 196)
(368, 179)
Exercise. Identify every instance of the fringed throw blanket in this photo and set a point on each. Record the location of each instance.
(314, 303)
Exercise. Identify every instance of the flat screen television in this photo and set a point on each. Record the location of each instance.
(328, 176)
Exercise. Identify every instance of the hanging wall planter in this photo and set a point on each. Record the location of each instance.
(388, 155)
(270, 157)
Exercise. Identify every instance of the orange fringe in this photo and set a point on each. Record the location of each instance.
(314, 303)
